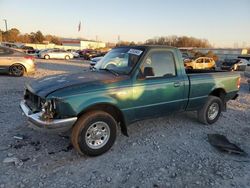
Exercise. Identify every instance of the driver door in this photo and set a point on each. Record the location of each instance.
(163, 91)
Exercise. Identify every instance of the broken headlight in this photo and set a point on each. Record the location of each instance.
(48, 109)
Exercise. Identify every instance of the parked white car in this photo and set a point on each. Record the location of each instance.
(241, 65)
(56, 54)
(75, 54)
(94, 60)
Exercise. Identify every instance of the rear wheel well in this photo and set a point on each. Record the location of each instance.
(221, 93)
(218, 93)
(113, 111)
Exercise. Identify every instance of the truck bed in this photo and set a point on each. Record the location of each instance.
(203, 82)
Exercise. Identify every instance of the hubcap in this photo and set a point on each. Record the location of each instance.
(97, 135)
(213, 111)
(17, 70)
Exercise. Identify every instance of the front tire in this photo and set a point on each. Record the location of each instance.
(211, 110)
(94, 133)
(67, 57)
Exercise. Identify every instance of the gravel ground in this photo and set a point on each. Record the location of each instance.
(170, 151)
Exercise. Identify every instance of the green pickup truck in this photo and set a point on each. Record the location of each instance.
(127, 85)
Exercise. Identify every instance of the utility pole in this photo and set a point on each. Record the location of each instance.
(118, 38)
(6, 26)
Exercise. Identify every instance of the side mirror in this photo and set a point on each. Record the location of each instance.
(148, 71)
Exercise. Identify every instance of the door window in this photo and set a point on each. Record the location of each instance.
(207, 60)
(199, 61)
(159, 64)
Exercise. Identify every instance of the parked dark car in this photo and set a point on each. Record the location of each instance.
(28, 49)
(89, 53)
(228, 64)
(86, 53)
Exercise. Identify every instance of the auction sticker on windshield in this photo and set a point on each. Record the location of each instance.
(135, 52)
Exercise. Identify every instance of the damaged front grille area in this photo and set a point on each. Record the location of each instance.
(33, 101)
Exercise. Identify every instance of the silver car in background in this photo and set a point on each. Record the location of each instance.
(15, 62)
(75, 54)
(55, 54)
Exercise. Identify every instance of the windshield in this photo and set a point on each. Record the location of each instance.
(120, 60)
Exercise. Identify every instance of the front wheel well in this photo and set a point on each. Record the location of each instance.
(112, 110)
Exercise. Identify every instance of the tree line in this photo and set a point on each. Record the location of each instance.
(182, 41)
(14, 35)
(175, 41)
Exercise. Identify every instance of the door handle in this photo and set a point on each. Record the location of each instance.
(177, 84)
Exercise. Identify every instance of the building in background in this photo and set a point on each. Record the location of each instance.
(74, 44)
(83, 44)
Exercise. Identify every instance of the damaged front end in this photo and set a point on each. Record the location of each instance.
(43, 115)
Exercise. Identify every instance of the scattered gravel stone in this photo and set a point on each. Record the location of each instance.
(14, 160)
(43, 176)
(25, 181)
(40, 184)
(10, 154)
(173, 175)
(108, 179)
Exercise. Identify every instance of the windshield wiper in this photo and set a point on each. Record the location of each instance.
(111, 70)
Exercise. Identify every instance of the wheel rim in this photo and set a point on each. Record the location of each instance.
(67, 57)
(97, 135)
(46, 57)
(17, 70)
(213, 111)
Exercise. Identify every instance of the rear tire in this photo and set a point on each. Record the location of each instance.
(17, 70)
(211, 110)
(94, 133)
(67, 57)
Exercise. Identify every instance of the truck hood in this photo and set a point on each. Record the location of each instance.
(45, 86)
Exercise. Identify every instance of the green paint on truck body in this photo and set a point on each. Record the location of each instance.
(138, 98)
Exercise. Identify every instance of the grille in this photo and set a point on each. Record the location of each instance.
(33, 101)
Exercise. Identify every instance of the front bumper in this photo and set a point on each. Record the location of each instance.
(53, 125)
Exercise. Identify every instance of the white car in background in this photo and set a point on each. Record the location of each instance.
(241, 65)
(56, 54)
(94, 60)
(75, 54)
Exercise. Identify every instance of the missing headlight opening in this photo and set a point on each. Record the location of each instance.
(48, 109)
